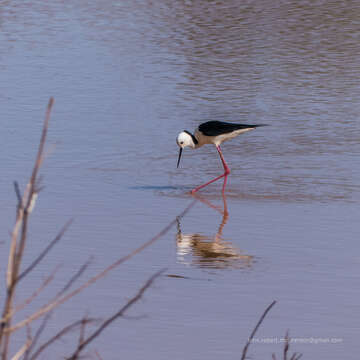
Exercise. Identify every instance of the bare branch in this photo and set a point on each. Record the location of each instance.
(45, 283)
(37, 335)
(75, 277)
(118, 314)
(22, 350)
(60, 300)
(295, 356)
(255, 329)
(17, 248)
(45, 251)
(31, 188)
(98, 355)
(30, 339)
(12, 251)
(39, 156)
(82, 331)
(18, 194)
(286, 345)
(60, 334)
(48, 315)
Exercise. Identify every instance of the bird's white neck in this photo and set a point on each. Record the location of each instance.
(194, 143)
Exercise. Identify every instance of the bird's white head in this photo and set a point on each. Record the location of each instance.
(184, 139)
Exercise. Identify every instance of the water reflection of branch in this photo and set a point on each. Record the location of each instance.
(211, 251)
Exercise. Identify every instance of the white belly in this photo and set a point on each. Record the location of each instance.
(217, 140)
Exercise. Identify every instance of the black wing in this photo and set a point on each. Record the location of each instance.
(214, 128)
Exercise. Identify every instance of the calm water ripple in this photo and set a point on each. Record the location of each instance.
(127, 77)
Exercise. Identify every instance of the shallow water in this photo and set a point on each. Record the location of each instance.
(127, 77)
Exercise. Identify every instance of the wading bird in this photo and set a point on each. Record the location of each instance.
(212, 132)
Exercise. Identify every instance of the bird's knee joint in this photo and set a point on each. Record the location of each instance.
(227, 171)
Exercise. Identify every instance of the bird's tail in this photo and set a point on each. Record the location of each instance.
(258, 125)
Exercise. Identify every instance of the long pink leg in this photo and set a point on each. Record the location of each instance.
(225, 174)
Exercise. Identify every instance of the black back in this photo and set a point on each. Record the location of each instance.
(215, 128)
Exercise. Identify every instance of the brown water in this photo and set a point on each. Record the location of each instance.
(127, 77)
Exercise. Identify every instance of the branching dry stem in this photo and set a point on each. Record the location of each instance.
(19, 235)
(118, 314)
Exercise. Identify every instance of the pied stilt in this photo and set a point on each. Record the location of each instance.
(212, 132)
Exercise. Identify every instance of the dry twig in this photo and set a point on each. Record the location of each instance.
(98, 355)
(118, 314)
(294, 356)
(60, 300)
(19, 234)
(48, 315)
(27, 301)
(25, 204)
(60, 334)
(255, 329)
(45, 251)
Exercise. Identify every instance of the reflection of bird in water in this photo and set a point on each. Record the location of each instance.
(211, 252)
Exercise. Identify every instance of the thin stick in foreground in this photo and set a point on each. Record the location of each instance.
(60, 334)
(19, 235)
(295, 356)
(118, 314)
(61, 299)
(45, 251)
(255, 329)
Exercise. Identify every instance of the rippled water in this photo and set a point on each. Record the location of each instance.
(127, 77)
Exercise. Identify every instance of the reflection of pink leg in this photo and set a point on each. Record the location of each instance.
(224, 212)
(224, 184)
(225, 174)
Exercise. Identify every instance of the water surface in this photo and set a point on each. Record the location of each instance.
(127, 77)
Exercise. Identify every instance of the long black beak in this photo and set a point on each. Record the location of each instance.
(179, 157)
